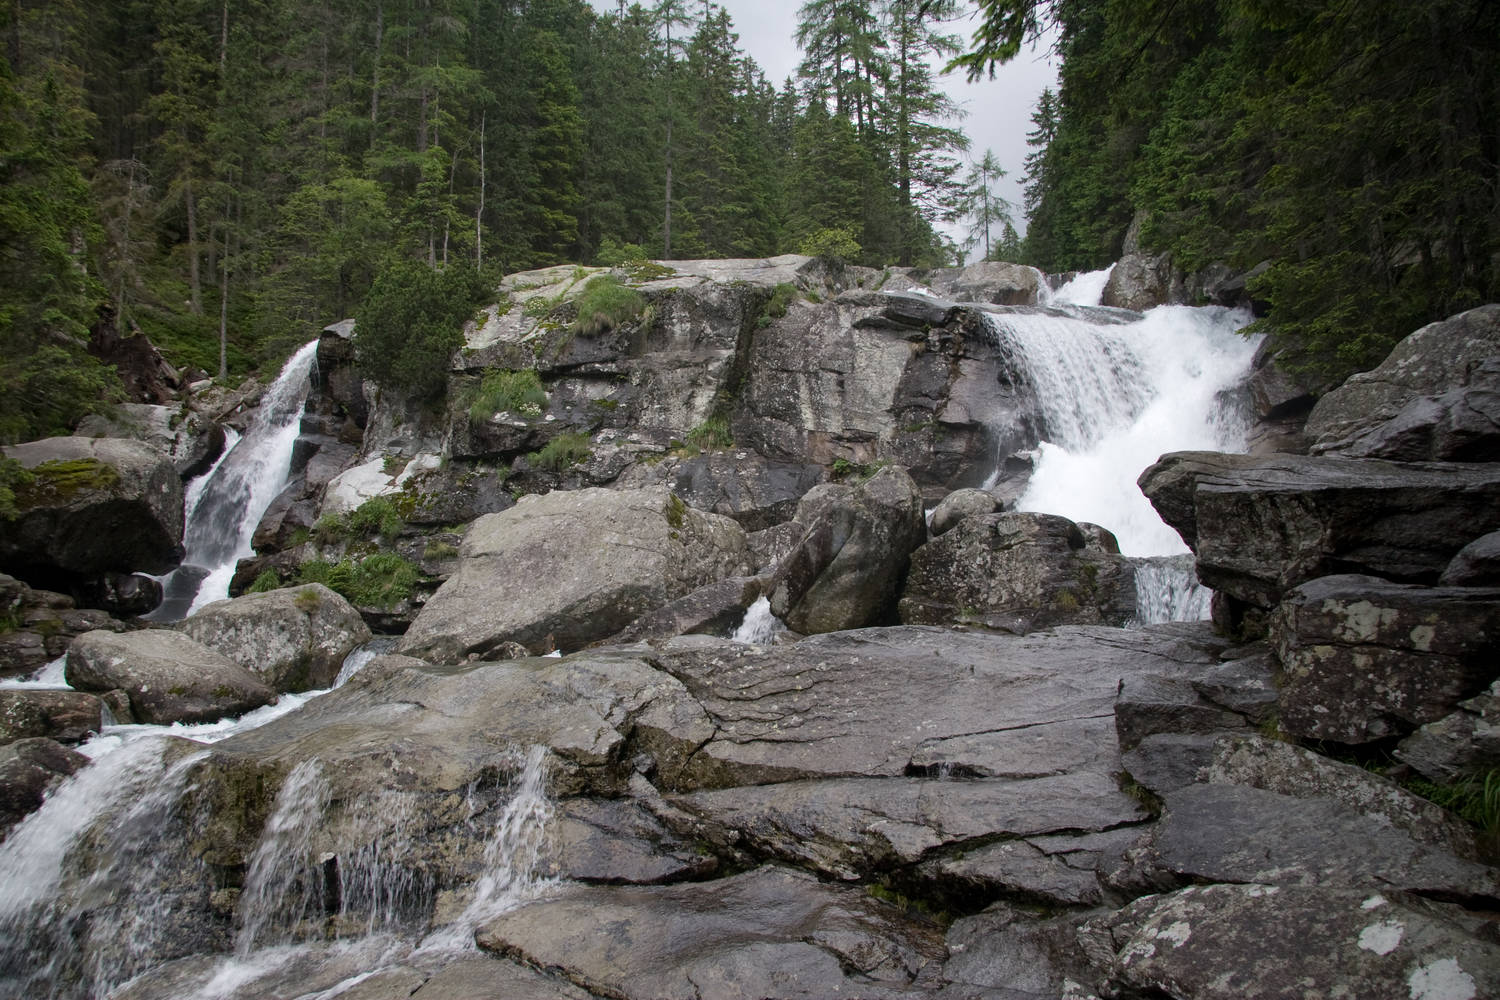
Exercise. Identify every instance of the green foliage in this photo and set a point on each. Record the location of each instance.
(614, 254)
(712, 433)
(562, 451)
(502, 391)
(1475, 799)
(381, 580)
(411, 323)
(13, 477)
(1343, 147)
(377, 515)
(267, 581)
(832, 244)
(605, 304)
(782, 297)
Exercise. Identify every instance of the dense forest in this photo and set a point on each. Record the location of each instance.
(226, 176)
(1348, 153)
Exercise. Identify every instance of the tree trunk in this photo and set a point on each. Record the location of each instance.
(375, 75)
(479, 212)
(195, 282)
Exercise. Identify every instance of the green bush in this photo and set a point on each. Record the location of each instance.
(712, 433)
(377, 515)
(831, 244)
(380, 581)
(513, 391)
(410, 324)
(612, 254)
(267, 581)
(604, 304)
(561, 452)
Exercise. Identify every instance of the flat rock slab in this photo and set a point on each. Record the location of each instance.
(1228, 942)
(1288, 769)
(1261, 525)
(768, 933)
(1236, 833)
(1060, 869)
(480, 977)
(404, 723)
(856, 827)
(871, 702)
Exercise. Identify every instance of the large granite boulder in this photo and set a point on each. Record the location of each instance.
(168, 676)
(846, 570)
(769, 933)
(1436, 396)
(958, 505)
(95, 506)
(1019, 572)
(569, 568)
(1285, 942)
(189, 439)
(293, 639)
(61, 715)
(1260, 525)
(1140, 282)
(1362, 658)
(989, 281)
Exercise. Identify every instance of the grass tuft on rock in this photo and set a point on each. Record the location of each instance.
(605, 304)
(561, 452)
(504, 391)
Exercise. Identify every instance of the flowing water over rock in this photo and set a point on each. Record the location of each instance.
(224, 505)
(1116, 390)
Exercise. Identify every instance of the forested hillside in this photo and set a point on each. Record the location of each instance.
(1351, 148)
(227, 176)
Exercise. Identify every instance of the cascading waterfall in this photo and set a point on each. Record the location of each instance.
(759, 626)
(1115, 390)
(226, 504)
(279, 887)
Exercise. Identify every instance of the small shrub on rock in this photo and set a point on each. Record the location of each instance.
(605, 304)
(561, 452)
(513, 391)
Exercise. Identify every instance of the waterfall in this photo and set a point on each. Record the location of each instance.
(224, 505)
(760, 626)
(107, 925)
(511, 858)
(1114, 391)
(280, 885)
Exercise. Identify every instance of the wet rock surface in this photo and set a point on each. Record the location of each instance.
(768, 933)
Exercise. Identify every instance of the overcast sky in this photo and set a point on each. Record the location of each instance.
(999, 110)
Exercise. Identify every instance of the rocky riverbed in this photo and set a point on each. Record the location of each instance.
(958, 774)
